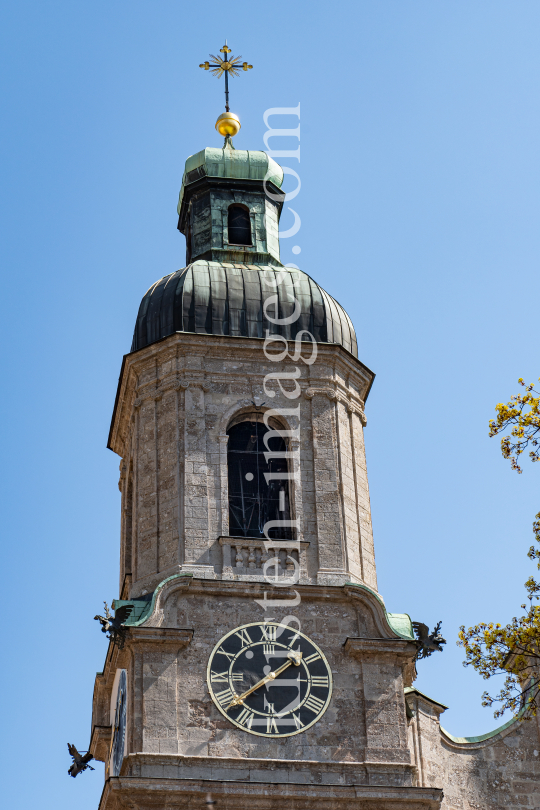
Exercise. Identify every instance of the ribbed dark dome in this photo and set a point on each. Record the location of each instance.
(227, 299)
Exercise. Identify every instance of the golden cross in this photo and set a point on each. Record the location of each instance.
(229, 64)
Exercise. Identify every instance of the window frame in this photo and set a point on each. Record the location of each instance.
(245, 208)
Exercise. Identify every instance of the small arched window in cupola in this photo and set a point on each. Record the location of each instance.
(239, 225)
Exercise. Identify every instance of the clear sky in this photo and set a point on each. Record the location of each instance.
(419, 208)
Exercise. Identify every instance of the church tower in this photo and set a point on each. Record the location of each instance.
(253, 658)
(252, 661)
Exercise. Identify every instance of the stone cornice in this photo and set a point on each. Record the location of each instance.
(155, 390)
(363, 647)
(264, 783)
(165, 637)
(337, 394)
(134, 637)
(157, 793)
(251, 542)
(130, 395)
(255, 590)
(99, 742)
(170, 382)
(132, 761)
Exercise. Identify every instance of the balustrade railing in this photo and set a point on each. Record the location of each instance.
(253, 558)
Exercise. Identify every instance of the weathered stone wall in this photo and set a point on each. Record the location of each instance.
(177, 398)
(376, 737)
(362, 737)
(491, 772)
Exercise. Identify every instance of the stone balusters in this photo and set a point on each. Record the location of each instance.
(251, 559)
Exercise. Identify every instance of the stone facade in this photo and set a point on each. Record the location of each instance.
(358, 751)
(176, 399)
(496, 770)
(379, 744)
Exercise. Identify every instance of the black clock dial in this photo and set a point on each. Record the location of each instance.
(119, 739)
(269, 679)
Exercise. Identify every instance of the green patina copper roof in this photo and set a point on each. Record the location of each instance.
(481, 737)
(238, 164)
(413, 690)
(141, 609)
(467, 740)
(400, 623)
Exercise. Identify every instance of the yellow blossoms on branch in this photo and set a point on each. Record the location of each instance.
(513, 650)
(522, 416)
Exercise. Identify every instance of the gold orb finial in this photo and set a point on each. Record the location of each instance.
(228, 124)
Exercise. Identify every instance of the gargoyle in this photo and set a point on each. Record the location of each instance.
(114, 626)
(426, 643)
(80, 763)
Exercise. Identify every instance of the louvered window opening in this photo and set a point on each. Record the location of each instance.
(239, 225)
(253, 501)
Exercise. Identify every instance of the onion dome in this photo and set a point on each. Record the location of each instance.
(214, 298)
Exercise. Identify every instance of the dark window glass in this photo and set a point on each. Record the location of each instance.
(239, 225)
(252, 500)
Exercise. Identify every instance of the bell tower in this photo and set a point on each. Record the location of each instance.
(201, 359)
(258, 662)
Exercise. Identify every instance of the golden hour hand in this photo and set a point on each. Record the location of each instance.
(294, 658)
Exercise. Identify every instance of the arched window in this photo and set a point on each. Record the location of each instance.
(253, 499)
(239, 225)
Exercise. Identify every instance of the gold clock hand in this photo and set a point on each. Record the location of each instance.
(239, 699)
(294, 658)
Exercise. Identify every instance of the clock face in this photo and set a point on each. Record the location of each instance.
(269, 679)
(119, 738)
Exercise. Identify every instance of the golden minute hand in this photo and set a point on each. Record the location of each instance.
(294, 658)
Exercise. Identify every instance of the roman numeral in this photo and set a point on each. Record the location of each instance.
(269, 649)
(269, 708)
(319, 680)
(229, 655)
(314, 704)
(245, 718)
(239, 676)
(243, 635)
(297, 722)
(311, 658)
(269, 632)
(219, 676)
(224, 698)
(271, 725)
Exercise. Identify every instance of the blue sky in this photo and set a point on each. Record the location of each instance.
(419, 206)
